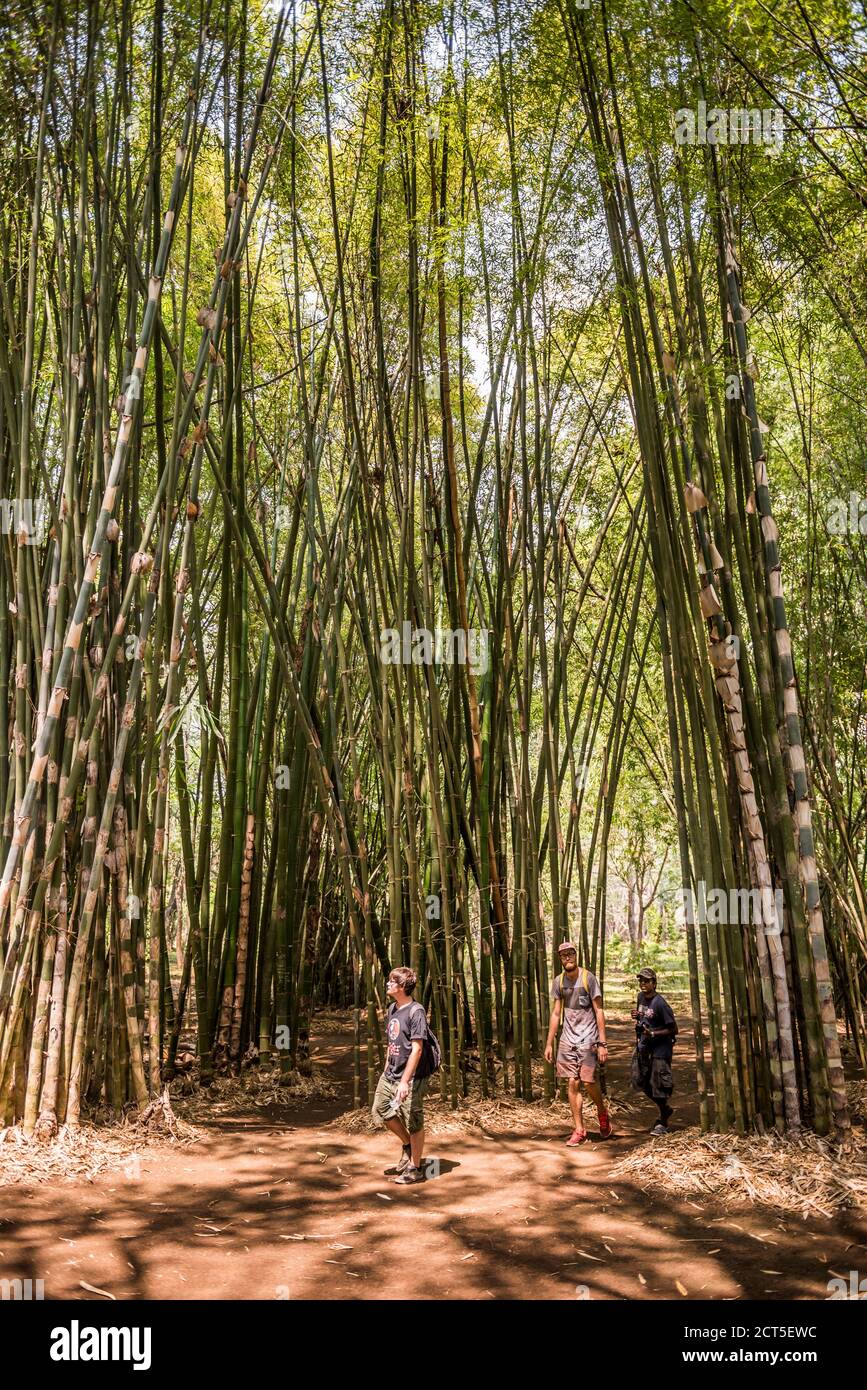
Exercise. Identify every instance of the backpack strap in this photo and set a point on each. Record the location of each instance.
(562, 978)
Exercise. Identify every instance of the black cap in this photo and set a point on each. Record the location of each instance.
(647, 974)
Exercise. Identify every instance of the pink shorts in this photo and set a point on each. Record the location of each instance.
(576, 1063)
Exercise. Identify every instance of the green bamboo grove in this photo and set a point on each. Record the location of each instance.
(423, 450)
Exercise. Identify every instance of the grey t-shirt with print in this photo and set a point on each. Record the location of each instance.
(404, 1025)
(580, 1028)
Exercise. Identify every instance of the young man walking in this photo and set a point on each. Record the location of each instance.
(399, 1094)
(576, 994)
(655, 1031)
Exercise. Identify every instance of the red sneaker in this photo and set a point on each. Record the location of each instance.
(604, 1125)
(578, 1136)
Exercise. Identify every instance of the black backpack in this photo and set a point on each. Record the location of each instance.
(431, 1053)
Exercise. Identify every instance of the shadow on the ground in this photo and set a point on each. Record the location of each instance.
(301, 1210)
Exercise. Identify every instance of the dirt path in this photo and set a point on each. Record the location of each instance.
(282, 1206)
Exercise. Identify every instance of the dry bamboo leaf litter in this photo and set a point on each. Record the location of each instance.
(103, 1293)
(476, 1115)
(85, 1151)
(805, 1176)
(227, 1094)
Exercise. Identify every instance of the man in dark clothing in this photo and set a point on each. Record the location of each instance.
(655, 1031)
(398, 1099)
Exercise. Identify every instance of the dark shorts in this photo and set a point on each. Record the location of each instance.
(410, 1112)
(576, 1063)
(652, 1075)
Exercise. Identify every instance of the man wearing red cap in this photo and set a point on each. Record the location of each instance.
(577, 995)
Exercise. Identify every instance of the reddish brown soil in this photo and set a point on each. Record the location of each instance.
(281, 1206)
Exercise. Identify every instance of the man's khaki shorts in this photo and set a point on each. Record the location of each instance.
(576, 1063)
(410, 1112)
